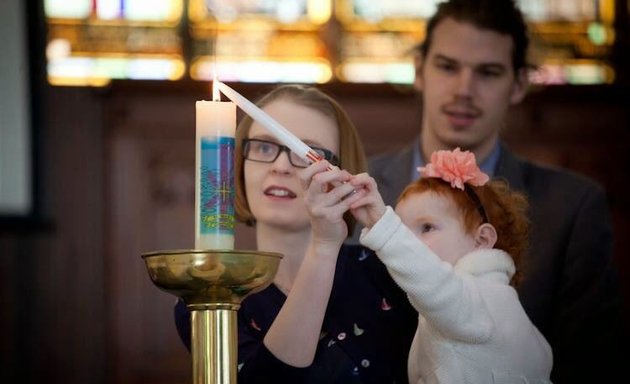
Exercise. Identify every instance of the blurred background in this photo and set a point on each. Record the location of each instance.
(97, 117)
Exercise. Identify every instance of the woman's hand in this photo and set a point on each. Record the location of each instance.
(325, 190)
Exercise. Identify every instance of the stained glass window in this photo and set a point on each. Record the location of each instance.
(91, 42)
(260, 41)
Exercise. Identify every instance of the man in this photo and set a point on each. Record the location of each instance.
(470, 70)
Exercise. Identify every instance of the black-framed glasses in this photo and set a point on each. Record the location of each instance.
(267, 152)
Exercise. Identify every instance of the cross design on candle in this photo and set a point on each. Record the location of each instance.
(219, 189)
(224, 190)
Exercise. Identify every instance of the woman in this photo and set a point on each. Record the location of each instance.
(332, 314)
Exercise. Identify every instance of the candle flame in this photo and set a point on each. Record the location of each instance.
(216, 96)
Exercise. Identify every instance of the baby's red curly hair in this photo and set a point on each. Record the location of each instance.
(506, 210)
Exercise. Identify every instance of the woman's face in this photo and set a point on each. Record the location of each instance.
(273, 190)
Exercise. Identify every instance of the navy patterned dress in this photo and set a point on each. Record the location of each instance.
(366, 334)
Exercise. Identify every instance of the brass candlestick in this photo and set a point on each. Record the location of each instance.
(212, 283)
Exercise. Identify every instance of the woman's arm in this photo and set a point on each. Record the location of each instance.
(256, 364)
(294, 335)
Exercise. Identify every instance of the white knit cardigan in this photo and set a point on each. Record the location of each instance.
(471, 325)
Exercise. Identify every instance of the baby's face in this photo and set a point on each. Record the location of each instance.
(436, 221)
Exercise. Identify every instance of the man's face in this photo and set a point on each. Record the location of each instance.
(467, 83)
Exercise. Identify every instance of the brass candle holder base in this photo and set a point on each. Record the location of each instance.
(212, 283)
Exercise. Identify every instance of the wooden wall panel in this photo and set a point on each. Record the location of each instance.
(54, 297)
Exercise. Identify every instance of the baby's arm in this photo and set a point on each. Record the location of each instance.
(451, 302)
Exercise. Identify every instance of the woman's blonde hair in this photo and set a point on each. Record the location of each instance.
(351, 155)
(506, 211)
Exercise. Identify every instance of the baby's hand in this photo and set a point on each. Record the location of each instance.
(367, 206)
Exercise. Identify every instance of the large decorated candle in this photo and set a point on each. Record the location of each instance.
(214, 173)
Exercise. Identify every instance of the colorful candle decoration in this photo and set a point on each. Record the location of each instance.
(214, 173)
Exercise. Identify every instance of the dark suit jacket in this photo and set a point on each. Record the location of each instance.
(570, 287)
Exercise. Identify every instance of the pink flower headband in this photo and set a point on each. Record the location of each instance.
(455, 167)
(458, 168)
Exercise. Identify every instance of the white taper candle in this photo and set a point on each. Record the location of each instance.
(281, 133)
